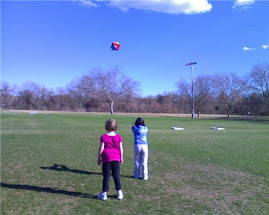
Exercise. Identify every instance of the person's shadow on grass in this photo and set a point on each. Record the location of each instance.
(59, 167)
(56, 167)
(46, 190)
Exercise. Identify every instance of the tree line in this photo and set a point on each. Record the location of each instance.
(110, 90)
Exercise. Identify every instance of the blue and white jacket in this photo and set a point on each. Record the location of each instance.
(140, 134)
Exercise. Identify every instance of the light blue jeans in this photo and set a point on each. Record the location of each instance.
(141, 159)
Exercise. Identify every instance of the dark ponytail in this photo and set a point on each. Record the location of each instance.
(139, 121)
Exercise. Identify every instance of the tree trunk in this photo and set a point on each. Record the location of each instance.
(111, 107)
(228, 113)
(227, 110)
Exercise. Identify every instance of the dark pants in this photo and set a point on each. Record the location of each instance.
(115, 167)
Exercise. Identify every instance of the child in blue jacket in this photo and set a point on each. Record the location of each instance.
(140, 148)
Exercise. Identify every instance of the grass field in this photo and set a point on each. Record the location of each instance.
(48, 166)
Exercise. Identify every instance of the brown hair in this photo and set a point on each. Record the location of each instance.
(111, 125)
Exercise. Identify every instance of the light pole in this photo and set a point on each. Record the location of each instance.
(192, 110)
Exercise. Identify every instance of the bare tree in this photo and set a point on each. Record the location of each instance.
(45, 99)
(60, 99)
(112, 84)
(259, 83)
(34, 96)
(83, 91)
(127, 104)
(202, 93)
(228, 88)
(167, 103)
(100, 87)
(28, 95)
(7, 95)
(185, 93)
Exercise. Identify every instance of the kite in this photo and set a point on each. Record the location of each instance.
(115, 46)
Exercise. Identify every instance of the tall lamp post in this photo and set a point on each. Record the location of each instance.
(192, 111)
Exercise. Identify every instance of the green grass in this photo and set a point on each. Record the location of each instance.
(48, 166)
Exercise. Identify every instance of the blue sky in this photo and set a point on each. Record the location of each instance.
(54, 42)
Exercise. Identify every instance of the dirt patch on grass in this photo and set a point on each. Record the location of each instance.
(222, 189)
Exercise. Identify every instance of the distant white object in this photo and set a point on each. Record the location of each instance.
(33, 112)
(219, 129)
(178, 129)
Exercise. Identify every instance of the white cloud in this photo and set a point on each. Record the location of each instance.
(243, 3)
(87, 3)
(248, 49)
(266, 46)
(163, 6)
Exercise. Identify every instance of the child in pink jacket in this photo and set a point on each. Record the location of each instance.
(110, 154)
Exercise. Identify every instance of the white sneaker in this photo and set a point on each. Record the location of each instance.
(102, 196)
(120, 195)
(145, 178)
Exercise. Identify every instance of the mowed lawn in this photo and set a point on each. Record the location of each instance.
(48, 165)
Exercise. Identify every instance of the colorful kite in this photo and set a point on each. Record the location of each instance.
(115, 46)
